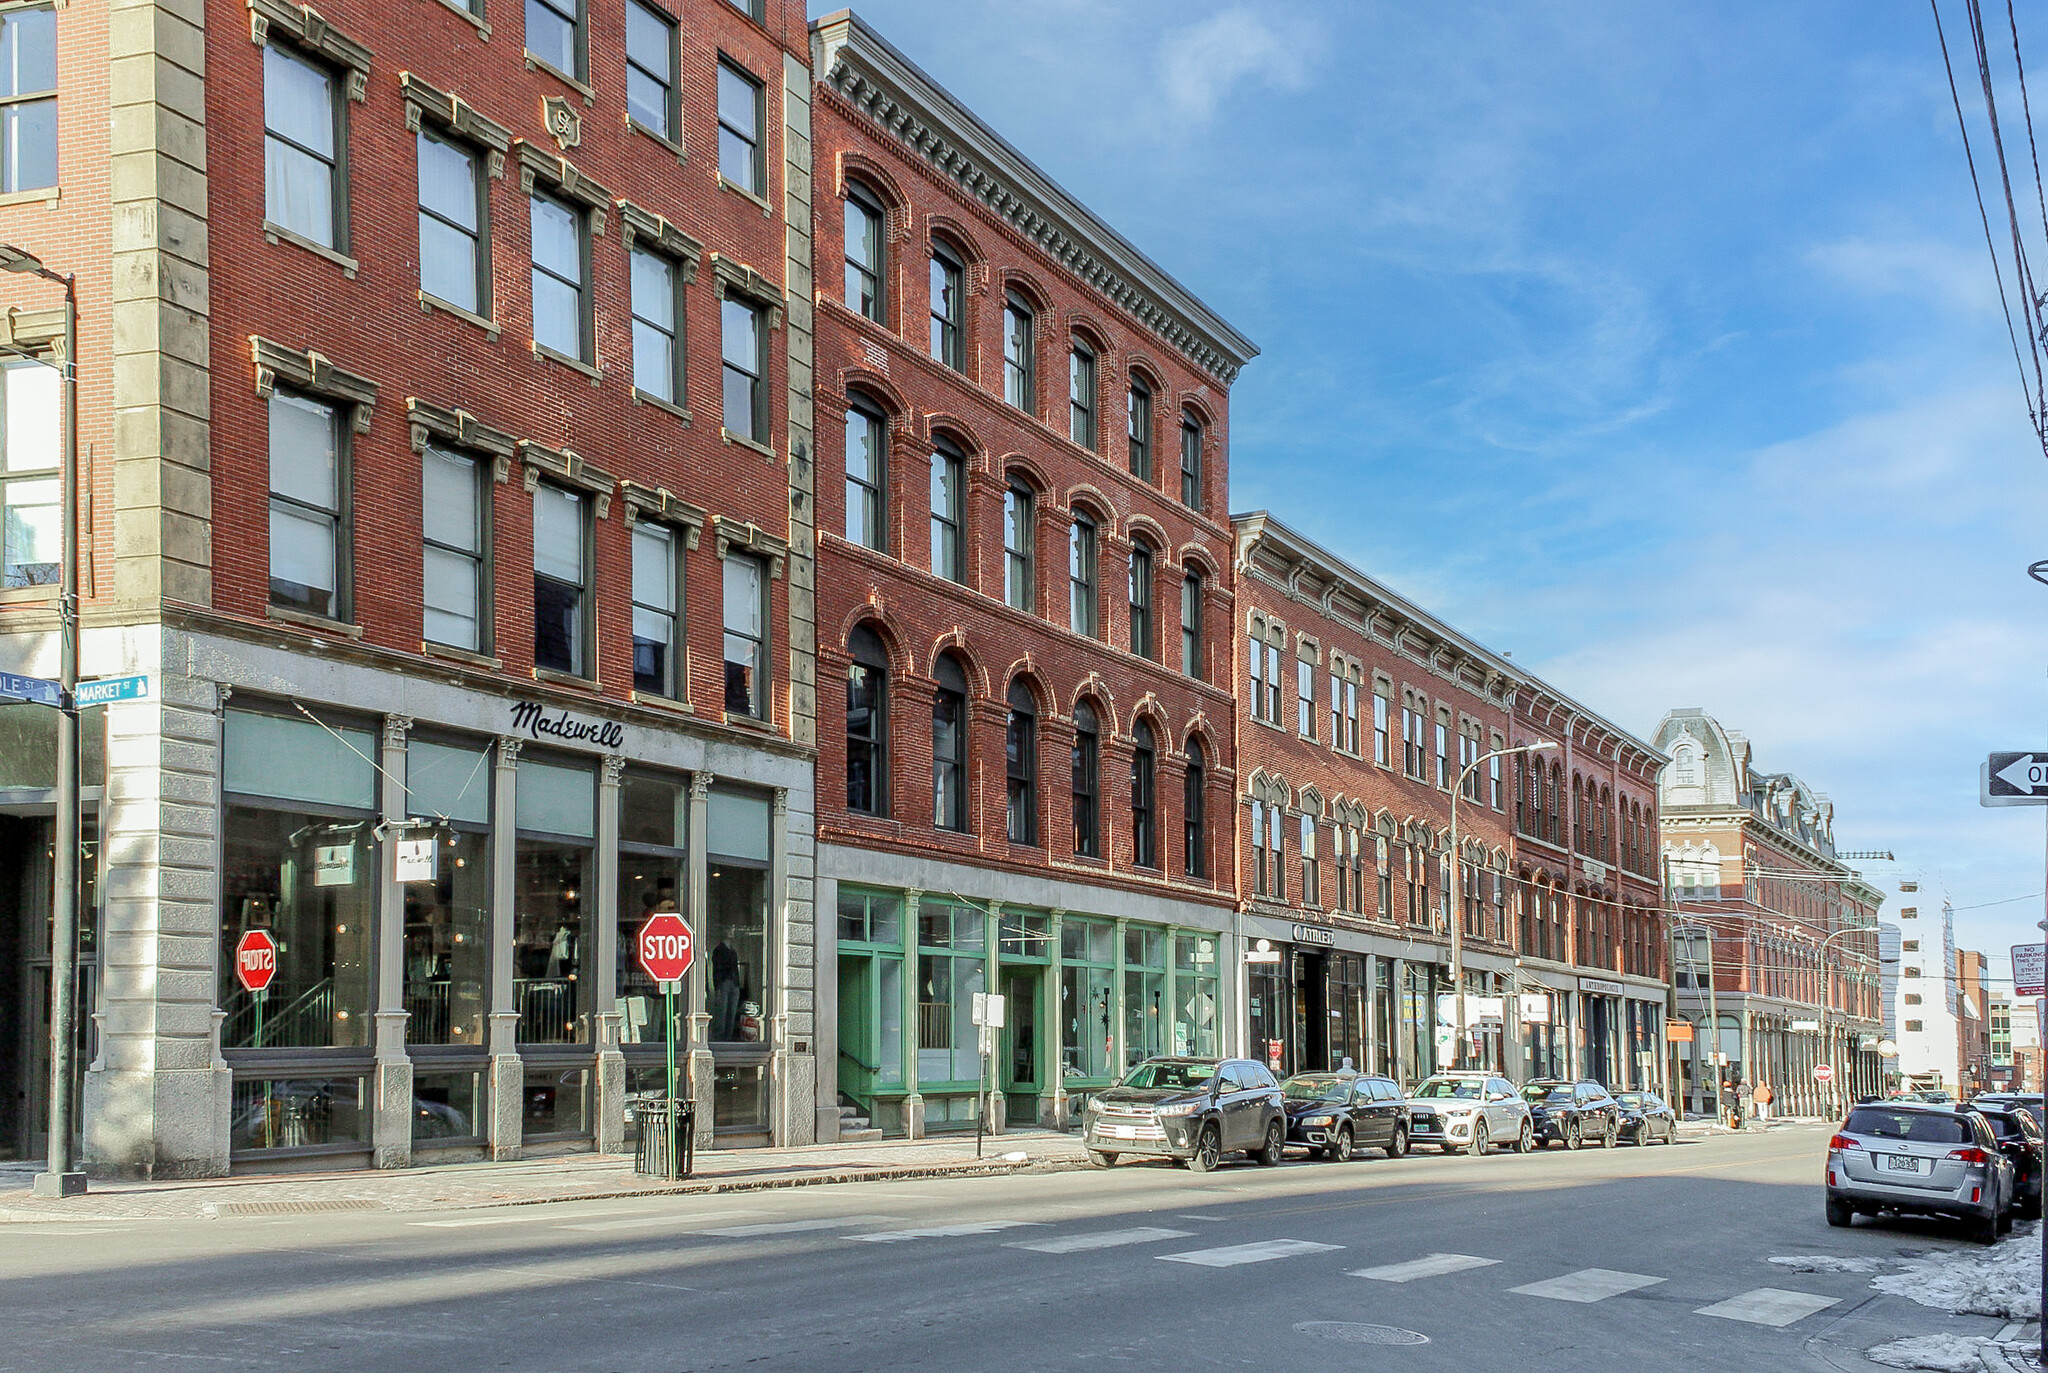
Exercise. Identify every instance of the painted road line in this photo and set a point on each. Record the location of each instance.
(640, 1222)
(933, 1232)
(1101, 1239)
(1587, 1285)
(1769, 1306)
(793, 1227)
(480, 1220)
(1430, 1266)
(1230, 1256)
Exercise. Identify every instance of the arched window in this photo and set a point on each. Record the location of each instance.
(1020, 750)
(1081, 597)
(949, 512)
(948, 308)
(1144, 800)
(867, 466)
(949, 746)
(1020, 364)
(1143, 642)
(1311, 868)
(1087, 783)
(1190, 460)
(865, 245)
(1020, 548)
(1194, 832)
(867, 725)
(1191, 624)
(1139, 410)
(1081, 395)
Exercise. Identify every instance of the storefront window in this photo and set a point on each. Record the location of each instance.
(1270, 1010)
(1087, 1015)
(446, 1107)
(28, 747)
(950, 970)
(1026, 934)
(1144, 993)
(652, 879)
(557, 1102)
(1383, 1017)
(300, 863)
(740, 1097)
(870, 988)
(448, 944)
(1418, 1020)
(297, 1113)
(1194, 994)
(557, 813)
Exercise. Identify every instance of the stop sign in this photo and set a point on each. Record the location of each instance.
(1823, 1072)
(255, 960)
(665, 947)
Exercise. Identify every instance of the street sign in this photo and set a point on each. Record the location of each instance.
(416, 860)
(40, 690)
(665, 946)
(1809, 1026)
(102, 691)
(1678, 1031)
(1823, 1072)
(988, 1010)
(255, 960)
(2014, 779)
(2029, 969)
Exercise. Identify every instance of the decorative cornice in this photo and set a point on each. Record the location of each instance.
(539, 166)
(424, 102)
(747, 537)
(459, 429)
(316, 375)
(570, 468)
(662, 237)
(306, 27)
(660, 503)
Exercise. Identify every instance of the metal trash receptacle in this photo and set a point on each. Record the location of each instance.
(651, 1156)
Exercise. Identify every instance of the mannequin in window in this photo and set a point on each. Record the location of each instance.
(725, 992)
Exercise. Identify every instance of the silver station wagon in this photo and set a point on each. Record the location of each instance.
(1916, 1158)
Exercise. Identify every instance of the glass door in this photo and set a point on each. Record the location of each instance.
(1020, 1045)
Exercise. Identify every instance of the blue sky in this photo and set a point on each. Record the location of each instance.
(1657, 345)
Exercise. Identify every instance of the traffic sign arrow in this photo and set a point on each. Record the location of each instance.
(2014, 779)
(2026, 774)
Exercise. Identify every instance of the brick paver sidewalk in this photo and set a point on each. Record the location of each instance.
(572, 1177)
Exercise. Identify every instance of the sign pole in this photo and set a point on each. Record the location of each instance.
(668, 997)
(259, 998)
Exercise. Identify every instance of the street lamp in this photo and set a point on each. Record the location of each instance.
(59, 1178)
(1458, 901)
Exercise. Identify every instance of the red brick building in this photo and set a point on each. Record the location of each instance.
(446, 422)
(1025, 600)
(1359, 715)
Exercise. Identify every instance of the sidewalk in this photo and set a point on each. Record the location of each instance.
(572, 1177)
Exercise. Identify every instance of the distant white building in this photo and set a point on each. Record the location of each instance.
(1888, 940)
(1924, 1006)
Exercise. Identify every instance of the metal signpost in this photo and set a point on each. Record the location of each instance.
(988, 1015)
(2030, 978)
(666, 950)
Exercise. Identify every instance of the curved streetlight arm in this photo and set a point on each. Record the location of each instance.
(1458, 899)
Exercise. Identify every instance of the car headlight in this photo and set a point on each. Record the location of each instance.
(1320, 1120)
(1459, 1110)
(1092, 1108)
(1185, 1108)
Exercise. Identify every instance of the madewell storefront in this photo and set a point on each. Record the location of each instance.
(1318, 995)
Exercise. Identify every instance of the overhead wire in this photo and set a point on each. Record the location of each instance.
(2022, 273)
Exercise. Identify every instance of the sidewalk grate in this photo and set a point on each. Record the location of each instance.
(296, 1208)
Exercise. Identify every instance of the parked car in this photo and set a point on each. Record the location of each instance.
(1470, 1111)
(2019, 1139)
(1920, 1158)
(1646, 1118)
(2026, 1101)
(1572, 1113)
(1333, 1114)
(1192, 1109)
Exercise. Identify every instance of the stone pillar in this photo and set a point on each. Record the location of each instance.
(994, 1103)
(1397, 1039)
(391, 1121)
(508, 1081)
(1052, 1096)
(913, 1100)
(825, 942)
(1118, 1019)
(702, 1074)
(609, 1100)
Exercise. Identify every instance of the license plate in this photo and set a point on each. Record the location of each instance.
(1124, 1131)
(1904, 1163)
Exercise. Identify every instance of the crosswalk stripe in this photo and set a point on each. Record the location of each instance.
(929, 1232)
(1769, 1306)
(1231, 1255)
(793, 1227)
(1429, 1266)
(1587, 1285)
(1100, 1239)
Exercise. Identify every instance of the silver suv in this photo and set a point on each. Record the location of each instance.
(1470, 1111)
(1918, 1158)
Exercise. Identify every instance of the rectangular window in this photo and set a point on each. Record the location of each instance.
(650, 69)
(866, 463)
(1139, 408)
(1143, 642)
(1191, 625)
(31, 458)
(1081, 615)
(1256, 655)
(1443, 762)
(657, 600)
(1258, 849)
(301, 147)
(561, 270)
(554, 34)
(1351, 717)
(1020, 383)
(1381, 707)
(746, 636)
(948, 310)
(744, 346)
(1081, 396)
(1305, 698)
(657, 327)
(452, 207)
(306, 526)
(454, 526)
(561, 577)
(750, 8)
(1493, 784)
(1272, 684)
(948, 547)
(28, 99)
(864, 236)
(741, 160)
(1020, 549)
(1191, 462)
(1311, 870)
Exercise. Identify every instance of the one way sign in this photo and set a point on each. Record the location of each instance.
(2014, 779)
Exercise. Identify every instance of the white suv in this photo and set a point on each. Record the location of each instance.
(1470, 1111)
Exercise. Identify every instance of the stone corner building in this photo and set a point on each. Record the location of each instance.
(444, 404)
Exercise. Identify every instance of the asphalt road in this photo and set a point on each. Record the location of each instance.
(1137, 1267)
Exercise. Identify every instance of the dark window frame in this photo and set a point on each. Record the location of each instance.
(1084, 399)
(949, 460)
(583, 286)
(756, 142)
(950, 697)
(482, 305)
(1193, 591)
(337, 165)
(1194, 813)
(1020, 753)
(868, 671)
(1087, 782)
(1020, 355)
(676, 677)
(1084, 577)
(758, 431)
(22, 99)
(481, 560)
(1143, 593)
(675, 329)
(341, 518)
(1192, 434)
(874, 277)
(947, 286)
(671, 87)
(1020, 563)
(579, 24)
(871, 492)
(583, 655)
(758, 707)
(1138, 427)
(1144, 796)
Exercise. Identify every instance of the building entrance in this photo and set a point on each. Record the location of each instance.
(25, 875)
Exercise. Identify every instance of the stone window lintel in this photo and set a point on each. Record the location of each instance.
(316, 375)
(539, 166)
(460, 429)
(569, 468)
(33, 331)
(308, 28)
(661, 504)
(738, 279)
(748, 537)
(452, 112)
(662, 237)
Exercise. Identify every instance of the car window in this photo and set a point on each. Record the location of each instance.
(1501, 1085)
(1316, 1089)
(1447, 1087)
(2005, 1127)
(1256, 1076)
(1185, 1077)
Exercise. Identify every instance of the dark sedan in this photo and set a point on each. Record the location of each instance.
(1192, 1109)
(1334, 1114)
(2019, 1139)
(1645, 1118)
(1572, 1113)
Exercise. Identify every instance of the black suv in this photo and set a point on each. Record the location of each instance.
(1572, 1113)
(1331, 1114)
(1192, 1109)
(2019, 1139)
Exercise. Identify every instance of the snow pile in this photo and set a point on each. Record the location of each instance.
(1941, 1353)
(1828, 1263)
(2004, 1280)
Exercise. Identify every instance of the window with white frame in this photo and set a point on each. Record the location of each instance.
(455, 525)
(308, 533)
(31, 460)
(302, 165)
(28, 99)
(1305, 698)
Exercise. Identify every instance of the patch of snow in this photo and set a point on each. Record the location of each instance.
(2003, 1281)
(1019, 1156)
(1827, 1263)
(1941, 1353)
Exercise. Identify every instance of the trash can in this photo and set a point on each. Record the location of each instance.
(651, 1157)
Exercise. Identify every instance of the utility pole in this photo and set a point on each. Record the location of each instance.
(1458, 904)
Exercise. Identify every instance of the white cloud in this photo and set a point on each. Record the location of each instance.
(1947, 276)
(1202, 64)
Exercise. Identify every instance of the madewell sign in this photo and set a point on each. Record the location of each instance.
(533, 719)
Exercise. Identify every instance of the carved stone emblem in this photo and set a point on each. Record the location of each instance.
(564, 121)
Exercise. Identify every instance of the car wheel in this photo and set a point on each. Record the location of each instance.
(1276, 1147)
(2005, 1223)
(1098, 1159)
(1478, 1145)
(1208, 1151)
(1984, 1229)
(1613, 1135)
(1397, 1147)
(1526, 1140)
(1840, 1213)
(1340, 1152)
(1571, 1134)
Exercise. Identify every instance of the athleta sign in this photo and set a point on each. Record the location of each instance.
(538, 724)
